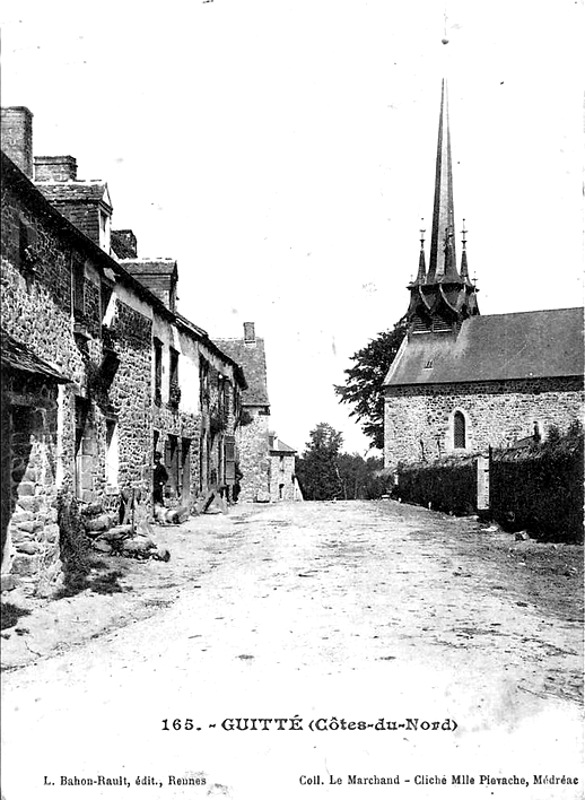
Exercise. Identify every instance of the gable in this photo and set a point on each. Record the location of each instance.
(252, 359)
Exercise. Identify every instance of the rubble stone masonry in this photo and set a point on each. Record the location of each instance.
(254, 458)
(130, 396)
(419, 419)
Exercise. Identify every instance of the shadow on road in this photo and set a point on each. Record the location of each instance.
(10, 614)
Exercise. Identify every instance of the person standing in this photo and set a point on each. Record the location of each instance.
(160, 478)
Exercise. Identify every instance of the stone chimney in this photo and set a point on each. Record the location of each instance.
(17, 137)
(249, 333)
(55, 168)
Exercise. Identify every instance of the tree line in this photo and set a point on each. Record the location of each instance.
(323, 471)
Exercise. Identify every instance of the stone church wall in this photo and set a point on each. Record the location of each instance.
(419, 419)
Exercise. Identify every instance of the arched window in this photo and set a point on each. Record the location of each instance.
(458, 430)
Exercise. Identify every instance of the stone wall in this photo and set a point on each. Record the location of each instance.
(254, 458)
(38, 251)
(418, 422)
(30, 534)
(36, 310)
(130, 396)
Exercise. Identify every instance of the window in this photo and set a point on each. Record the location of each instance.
(104, 231)
(204, 382)
(157, 346)
(174, 391)
(459, 430)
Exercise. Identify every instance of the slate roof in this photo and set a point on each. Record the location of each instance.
(252, 359)
(18, 356)
(74, 191)
(146, 266)
(278, 446)
(531, 344)
(120, 246)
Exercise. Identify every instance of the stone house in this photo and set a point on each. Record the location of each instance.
(283, 479)
(253, 437)
(196, 387)
(97, 370)
(462, 381)
(55, 408)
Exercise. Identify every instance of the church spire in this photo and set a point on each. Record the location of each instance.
(442, 262)
(422, 267)
(441, 298)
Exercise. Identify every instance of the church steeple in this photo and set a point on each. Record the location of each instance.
(442, 298)
(442, 262)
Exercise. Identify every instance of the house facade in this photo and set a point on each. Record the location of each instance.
(283, 479)
(462, 381)
(253, 437)
(98, 369)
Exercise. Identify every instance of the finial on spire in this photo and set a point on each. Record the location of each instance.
(422, 266)
(444, 40)
(464, 266)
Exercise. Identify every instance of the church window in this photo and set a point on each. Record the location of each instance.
(459, 430)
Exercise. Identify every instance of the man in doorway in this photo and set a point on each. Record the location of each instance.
(160, 478)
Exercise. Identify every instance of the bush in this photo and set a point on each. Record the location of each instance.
(541, 488)
(447, 486)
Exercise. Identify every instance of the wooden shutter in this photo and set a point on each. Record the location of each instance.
(230, 459)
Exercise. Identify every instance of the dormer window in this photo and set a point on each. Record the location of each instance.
(104, 231)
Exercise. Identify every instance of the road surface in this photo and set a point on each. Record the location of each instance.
(314, 650)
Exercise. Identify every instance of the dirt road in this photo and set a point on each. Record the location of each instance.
(396, 653)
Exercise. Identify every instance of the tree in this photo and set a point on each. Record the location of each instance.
(364, 383)
(318, 468)
(359, 477)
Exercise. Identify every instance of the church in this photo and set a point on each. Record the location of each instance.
(461, 381)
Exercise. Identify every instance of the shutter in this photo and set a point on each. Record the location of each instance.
(230, 459)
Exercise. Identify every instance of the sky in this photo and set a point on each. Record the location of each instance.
(283, 152)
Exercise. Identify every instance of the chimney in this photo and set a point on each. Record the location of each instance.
(55, 168)
(249, 333)
(17, 137)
